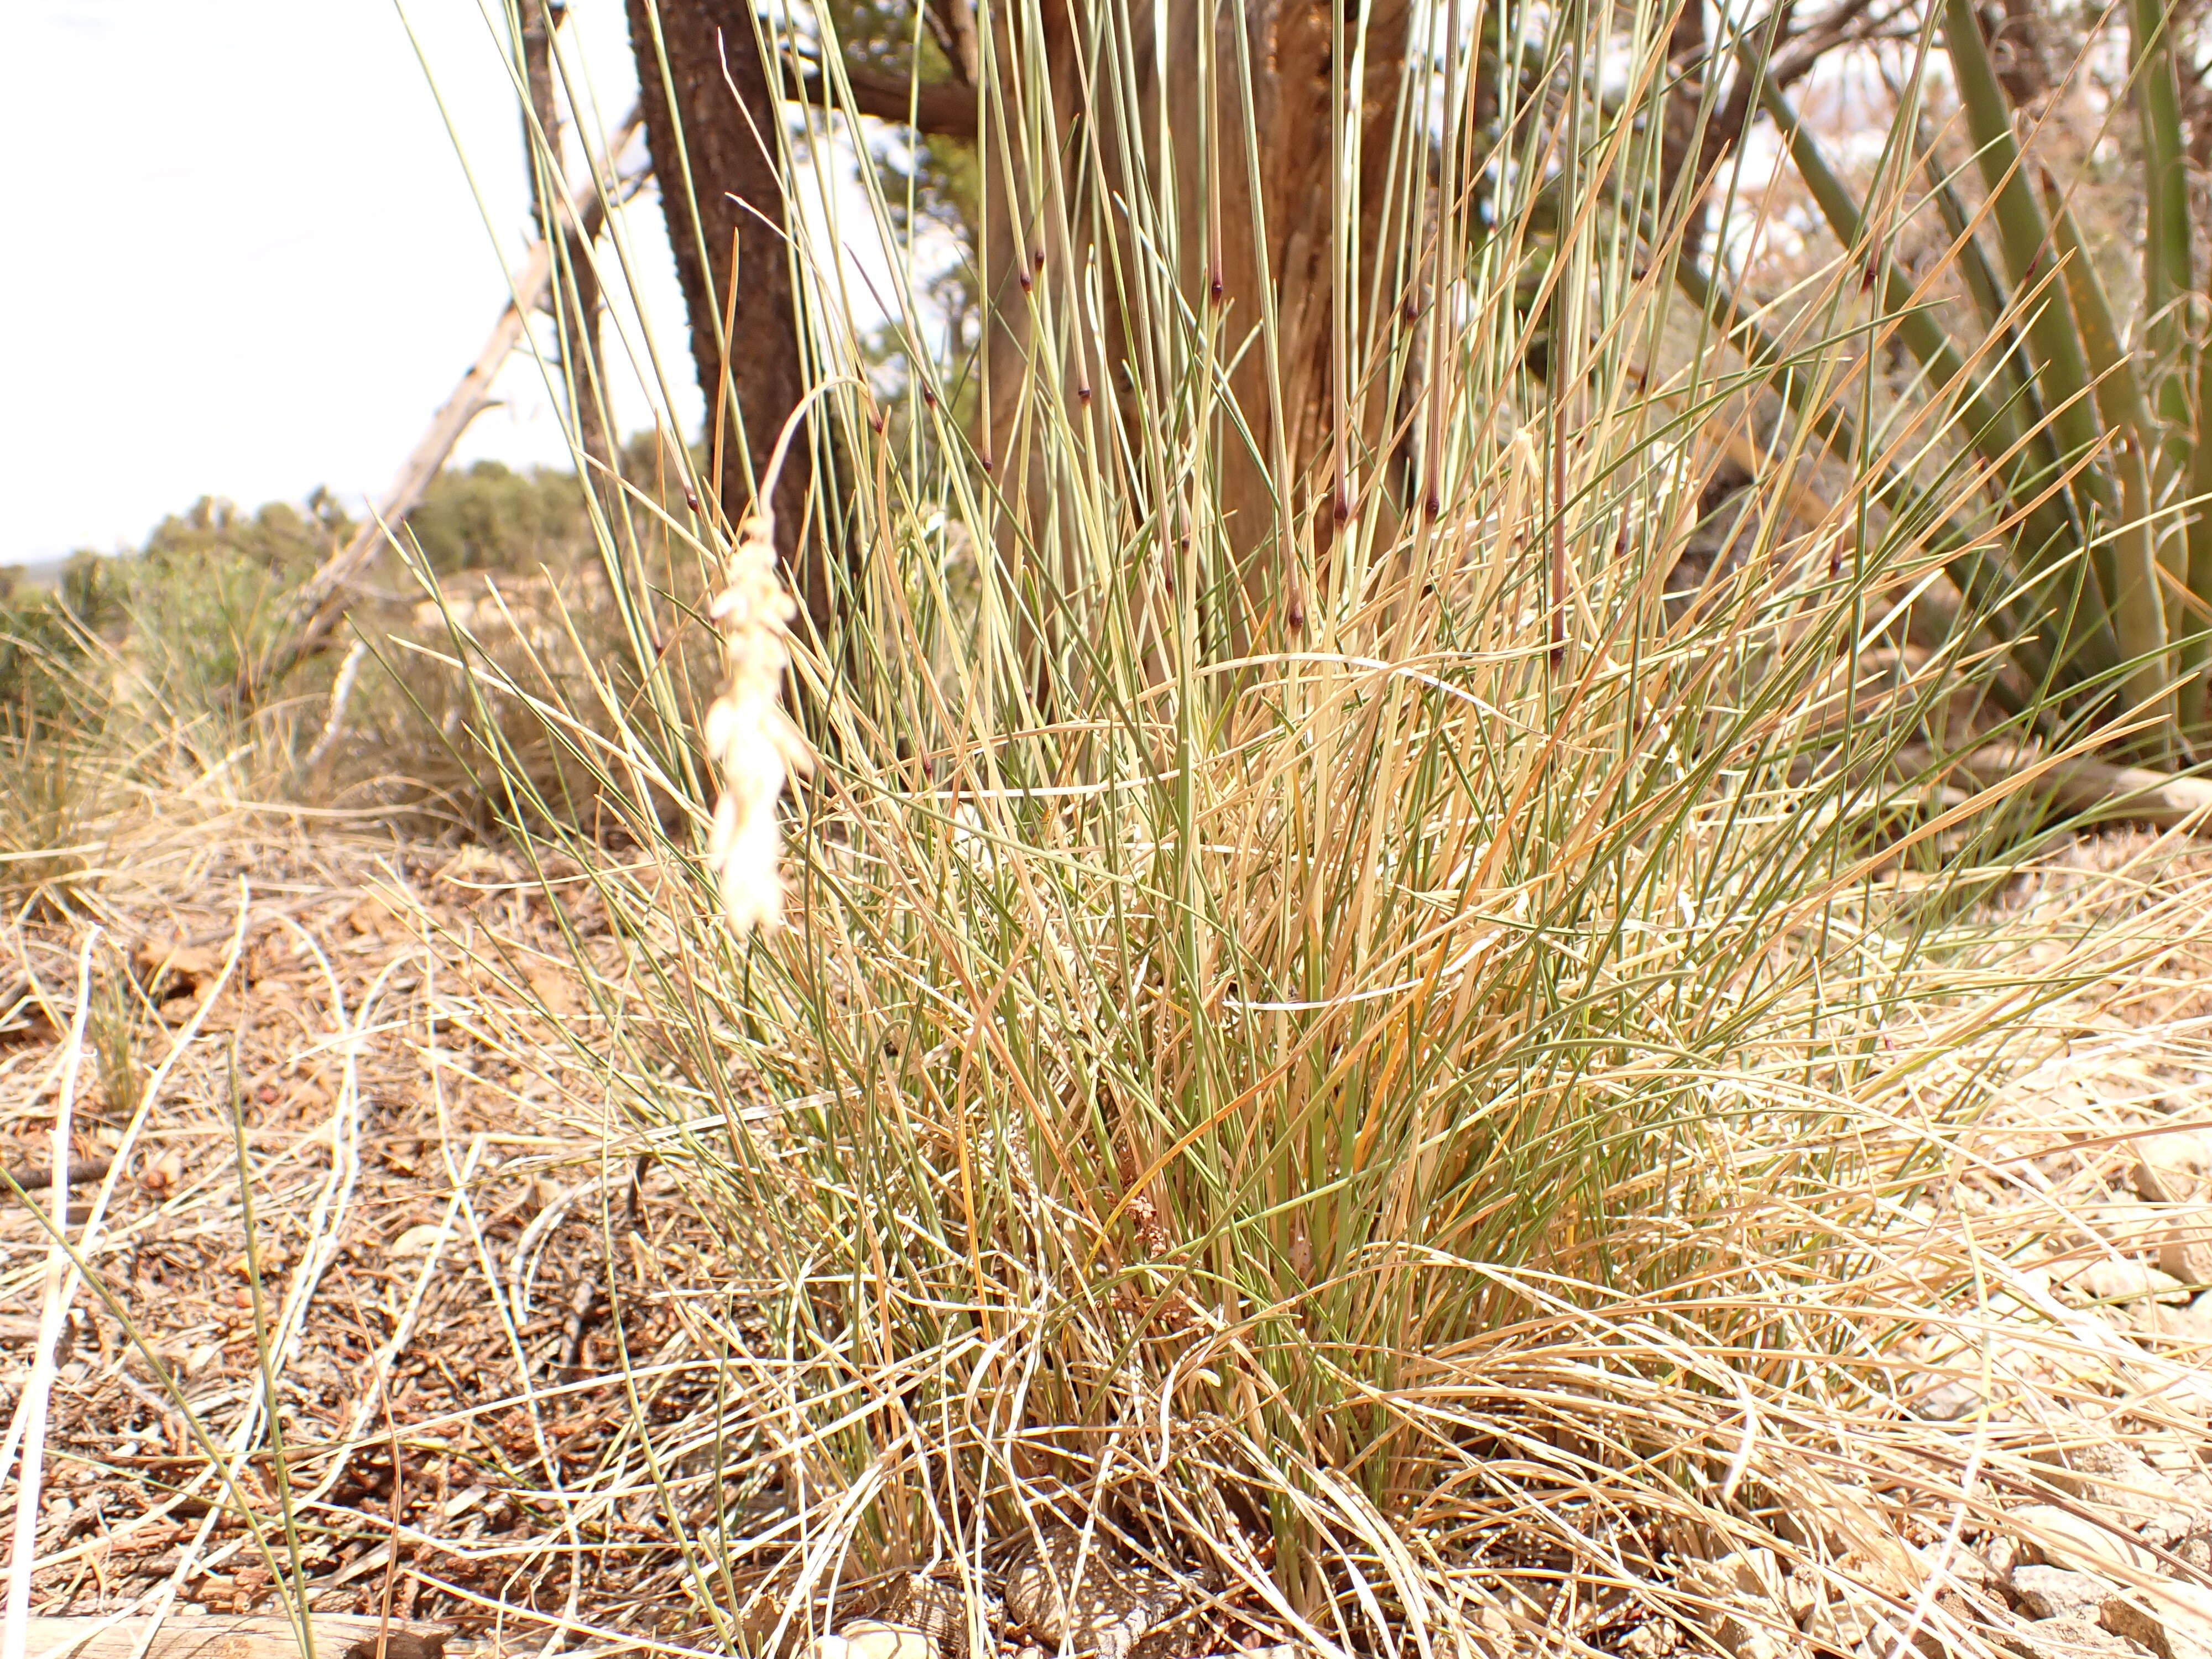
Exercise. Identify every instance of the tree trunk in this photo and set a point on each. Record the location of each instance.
(575, 280)
(1682, 135)
(713, 124)
(1300, 448)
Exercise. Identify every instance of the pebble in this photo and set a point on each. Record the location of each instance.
(2002, 1555)
(2182, 1534)
(1802, 1593)
(2181, 1324)
(1948, 1402)
(2174, 1168)
(871, 1638)
(2128, 1281)
(2056, 1593)
(2174, 1621)
(1748, 1583)
(2064, 1538)
(1840, 1626)
(2186, 1254)
(2069, 1638)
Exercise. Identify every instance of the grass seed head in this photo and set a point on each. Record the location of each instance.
(752, 739)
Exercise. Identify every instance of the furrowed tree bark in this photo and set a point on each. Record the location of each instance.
(712, 122)
(1681, 136)
(1255, 251)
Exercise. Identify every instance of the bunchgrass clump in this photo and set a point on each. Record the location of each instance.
(1327, 1031)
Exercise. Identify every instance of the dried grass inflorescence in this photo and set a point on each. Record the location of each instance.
(749, 735)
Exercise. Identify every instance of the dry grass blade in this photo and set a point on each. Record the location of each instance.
(26, 1431)
(1383, 1037)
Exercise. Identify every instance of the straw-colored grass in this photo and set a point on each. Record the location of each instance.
(1461, 1079)
(1444, 1099)
(629, 1408)
(633, 1402)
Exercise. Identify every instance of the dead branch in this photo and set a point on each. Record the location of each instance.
(942, 109)
(954, 22)
(322, 600)
(2092, 788)
(37, 1177)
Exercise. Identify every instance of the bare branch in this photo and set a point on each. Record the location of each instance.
(939, 108)
(1838, 28)
(322, 600)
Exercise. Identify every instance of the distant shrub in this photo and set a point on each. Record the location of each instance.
(208, 593)
(489, 517)
(47, 641)
(153, 639)
(286, 542)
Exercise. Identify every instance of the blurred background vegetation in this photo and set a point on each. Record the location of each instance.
(141, 649)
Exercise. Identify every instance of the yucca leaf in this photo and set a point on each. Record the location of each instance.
(2195, 648)
(2168, 281)
(2048, 534)
(2167, 274)
(1984, 287)
(2137, 593)
(2062, 364)
(1991, 587)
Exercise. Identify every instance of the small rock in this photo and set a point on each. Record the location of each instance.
(1754, 1574)
(1747, 1640)
(2182, 1535)
(1748, 1585)
(1802, 1593)
(2174, 1621)
(2054, 1593)
(2001, 1555)
(2185, 1254)
(2174, 1168)
(1955, 1567)
(2127, 1282)
(418, 1240)
(1840, 1626)
(2176, 1324)
(1948, 1402)
(870, 1638)
(2063, 1539)
(2069, 1638)
(1888, 1637)
(2117, 1479)
(1654, 1639)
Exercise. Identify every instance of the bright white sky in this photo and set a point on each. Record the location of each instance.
(247, 260)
